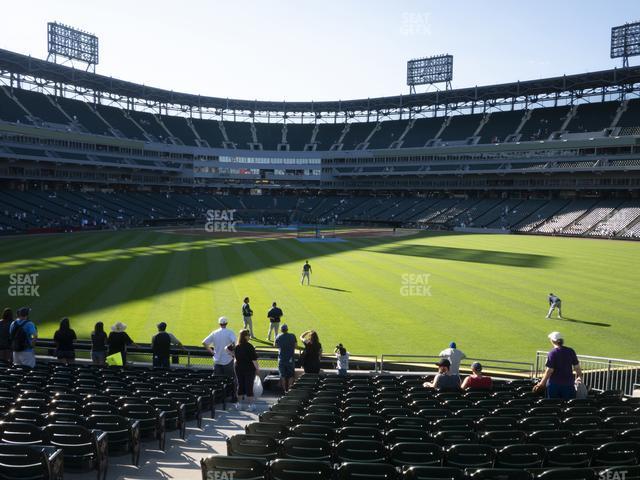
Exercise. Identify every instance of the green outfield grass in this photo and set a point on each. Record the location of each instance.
(487, 292)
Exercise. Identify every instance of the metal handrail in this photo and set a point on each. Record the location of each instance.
(505, 366)
(602, 373)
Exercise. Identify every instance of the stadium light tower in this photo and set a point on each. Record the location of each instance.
(625, 42)
(72, 44)
(429, 71)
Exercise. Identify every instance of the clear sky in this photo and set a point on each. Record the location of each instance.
(327, 49)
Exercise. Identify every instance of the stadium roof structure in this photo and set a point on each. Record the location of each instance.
(18, 68)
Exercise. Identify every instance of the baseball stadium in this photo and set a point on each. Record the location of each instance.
(440, 284)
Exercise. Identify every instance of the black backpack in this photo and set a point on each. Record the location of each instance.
(18, 337)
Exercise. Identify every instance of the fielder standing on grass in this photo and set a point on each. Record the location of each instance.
(306, 273)
(274, 315)
(554, 302)
(247, 316)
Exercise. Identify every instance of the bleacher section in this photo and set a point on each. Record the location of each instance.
(499, 126)
(84, 116)
(387, 133)
(328, 135)
(118, 120)
(392, 428)
(299, 135)
(423, 130)
(631, 116)
(543, 122)
(40, 107)
(239, 133)
(357, 134)
(210, 131)
(461, 127)
(591, 117)
(269, 135)
(25, 211)
(180, 129)
(9, 109)
(566, 216)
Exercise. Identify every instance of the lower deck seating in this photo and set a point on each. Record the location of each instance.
(389, 427)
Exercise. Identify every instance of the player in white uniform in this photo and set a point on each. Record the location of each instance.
(554, 302)
(306, 273)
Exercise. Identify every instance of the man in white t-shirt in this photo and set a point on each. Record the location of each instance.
(455, 356)
(220, 344)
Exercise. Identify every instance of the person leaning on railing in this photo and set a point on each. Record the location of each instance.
(561, 363)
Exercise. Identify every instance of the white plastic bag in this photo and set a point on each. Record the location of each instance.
(257, 387)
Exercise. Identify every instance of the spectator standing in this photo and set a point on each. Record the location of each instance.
(63, 339)
(119, 340)
(5, 341)
(274, 315)
(561, 363)
(23, 335)
(443, 380)
(454, 356)
(98, 344)
(477, 381)
(286, 343)
(312, 353)
(247, 316)
(221, 343)
(342, 356)
(161, 344)
(246, 368)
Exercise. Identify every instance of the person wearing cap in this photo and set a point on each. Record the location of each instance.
(119, 340)
(286, 343)
(554, 302)
(477, 381)
(443, 380)
(23, 353)
(161, 344)
(454, 356)
(274, 315)
(220, 343)
(561, 363)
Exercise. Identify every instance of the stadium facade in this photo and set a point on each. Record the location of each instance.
(514, 155)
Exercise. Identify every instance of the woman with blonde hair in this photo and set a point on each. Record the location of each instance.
(246, 368)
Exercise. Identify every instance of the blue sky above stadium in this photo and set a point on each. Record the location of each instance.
(334, 49)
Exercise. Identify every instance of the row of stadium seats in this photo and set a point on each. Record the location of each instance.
(24, 106)
(40, 209)
(374, 427)
(87, 411)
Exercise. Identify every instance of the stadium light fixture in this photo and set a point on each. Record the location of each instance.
(429, 71)
(625, 42)
(72, 44)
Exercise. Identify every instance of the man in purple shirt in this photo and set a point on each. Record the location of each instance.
(561, 363)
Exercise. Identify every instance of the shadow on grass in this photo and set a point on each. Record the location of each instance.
(509, 259)
(331, 288)
(584, 322)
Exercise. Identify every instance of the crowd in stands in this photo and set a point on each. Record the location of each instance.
(237, 359)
